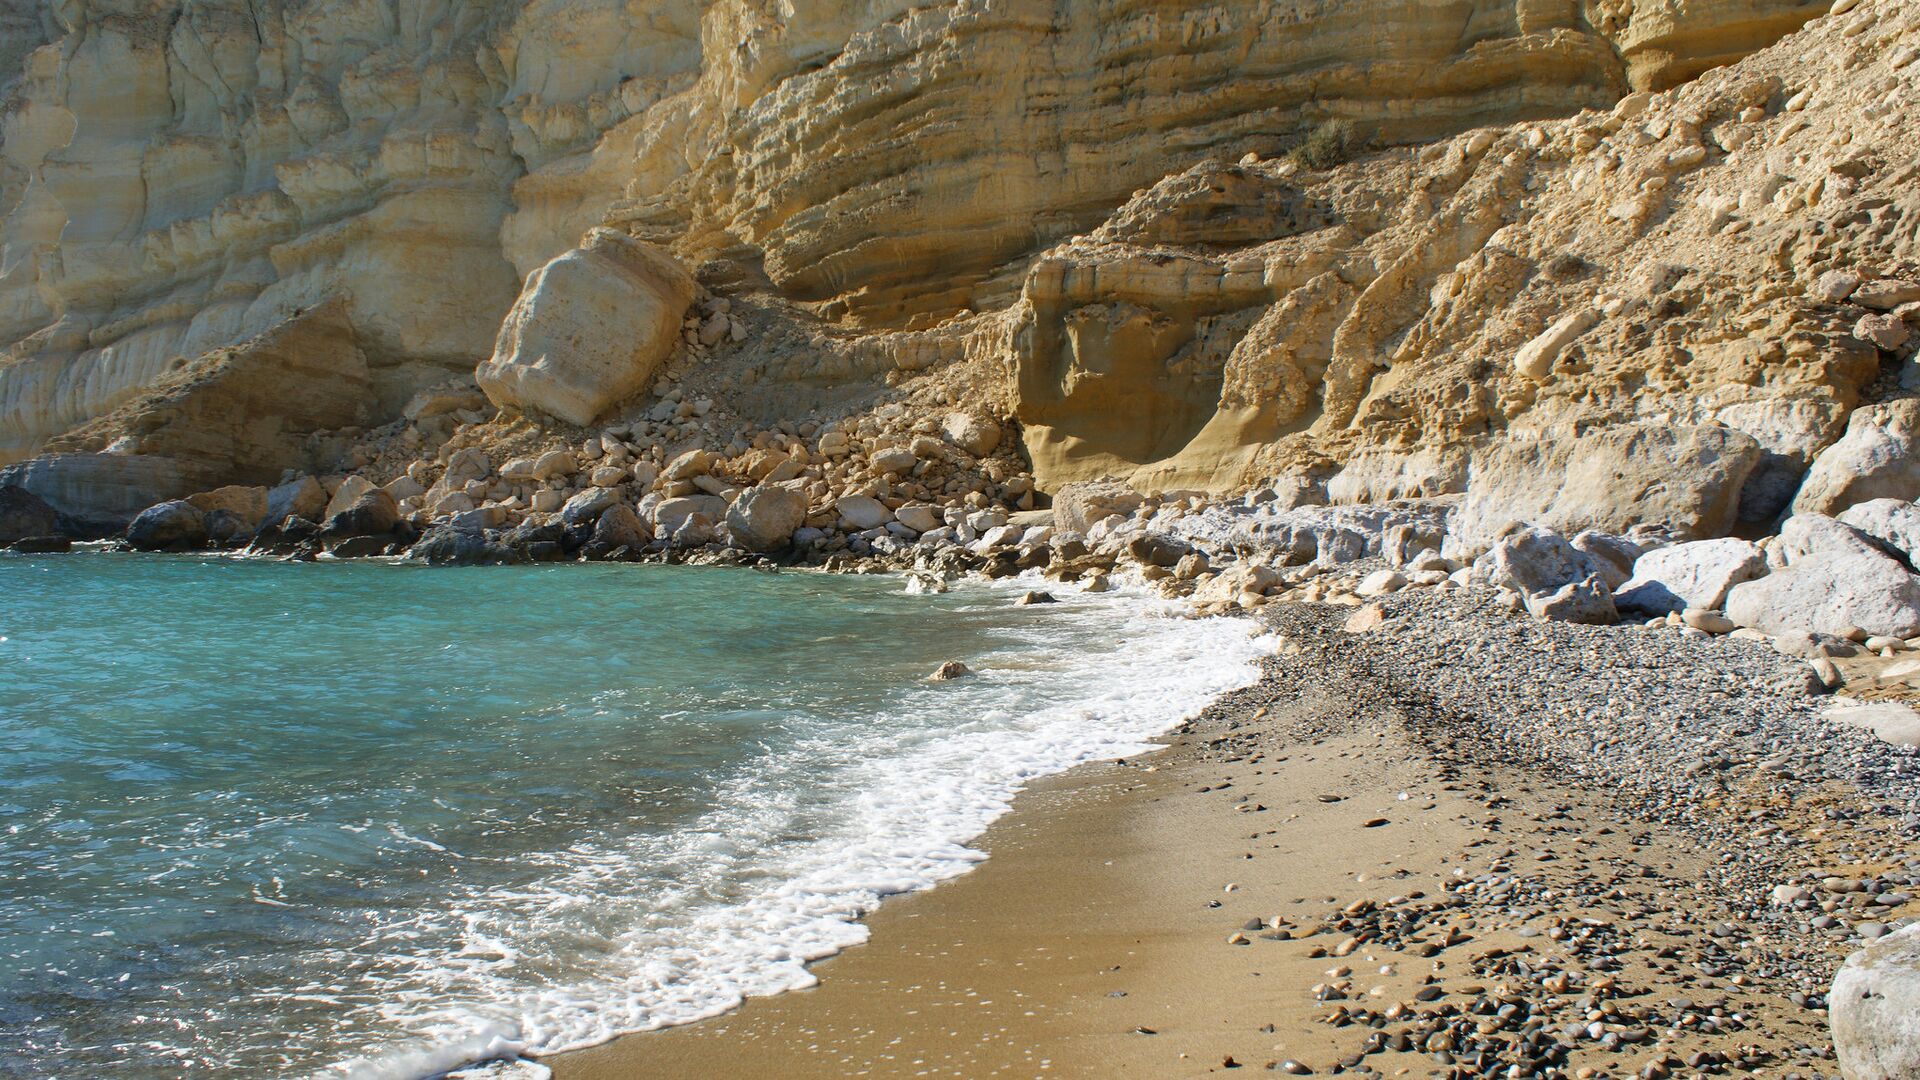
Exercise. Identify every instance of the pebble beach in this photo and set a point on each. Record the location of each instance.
(1457, 843)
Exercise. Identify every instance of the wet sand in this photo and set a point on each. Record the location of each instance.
(1303, 882)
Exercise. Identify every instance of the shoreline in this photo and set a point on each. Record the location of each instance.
(1517, 905)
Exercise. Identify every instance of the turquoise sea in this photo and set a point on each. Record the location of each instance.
(357, 819)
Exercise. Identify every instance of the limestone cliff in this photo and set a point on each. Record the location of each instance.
(1102, 216)
(1670, 261)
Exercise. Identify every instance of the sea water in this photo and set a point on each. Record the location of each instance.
(354, 819)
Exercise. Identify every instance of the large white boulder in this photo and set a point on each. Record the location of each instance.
(1588, 602)
(1890, 521)
(1889, 721)
(764, 518)
(1836, 578)
(302, 497)
(975, 434)
(1077, 506)
(1874, 1009)
(1537, 561)
(670, 514)
(863, 512)
(1687, 479)
(1693, 575)
(1875, 459)
(1558, 581)
(590, 328)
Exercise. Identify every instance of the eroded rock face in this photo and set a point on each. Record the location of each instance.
(1600, 272)
(1688, 479)
(101, 493)
(24, 514)
(242, 414)
(590, 327)
(177, 177)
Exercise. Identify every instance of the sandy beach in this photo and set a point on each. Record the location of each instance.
(1362, 865)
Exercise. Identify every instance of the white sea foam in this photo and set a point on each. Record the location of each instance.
(664, 930)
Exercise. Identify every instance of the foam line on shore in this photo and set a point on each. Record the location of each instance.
(753, 906)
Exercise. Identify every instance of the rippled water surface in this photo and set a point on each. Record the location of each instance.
(262, 819)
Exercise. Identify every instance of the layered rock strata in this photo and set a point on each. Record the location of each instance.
(176, 178)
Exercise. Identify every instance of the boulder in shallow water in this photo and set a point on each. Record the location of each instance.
(24, 514)
(373, 513)
(447, 546)
(301, 497)
(1874, 1009)
(764, 518)
(174, 525)
(619, 527)
(952, 669)
(365, 546)
(227, 528)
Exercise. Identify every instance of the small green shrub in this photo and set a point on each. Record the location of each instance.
(1330, 145)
